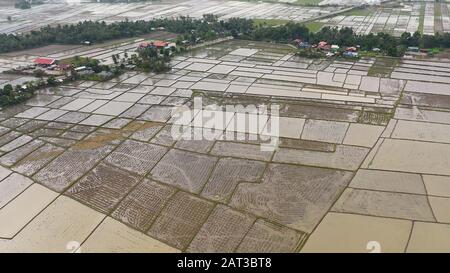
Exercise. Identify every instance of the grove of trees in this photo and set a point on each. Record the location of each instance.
(151, 59)
(12, 95)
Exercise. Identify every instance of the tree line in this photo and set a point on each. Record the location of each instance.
(388, 44)
(96, 32)
(209, 27)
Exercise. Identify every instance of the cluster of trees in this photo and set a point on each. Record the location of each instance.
(10, 95)
(116, 59)
(92, 64)
(95, 69)
(26, 4)
(283, 33)
(151, 59)
(390, 45)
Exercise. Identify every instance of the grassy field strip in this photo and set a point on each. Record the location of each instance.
(438, 26)
(314, 26)
(422, 17)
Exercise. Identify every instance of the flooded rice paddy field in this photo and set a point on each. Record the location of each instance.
(396, 19)
(360, 157)
(52, 14)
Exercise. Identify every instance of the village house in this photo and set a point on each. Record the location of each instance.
(155, 44)
(324, 46)
(351, 52)
(304, 45)
(301, 44)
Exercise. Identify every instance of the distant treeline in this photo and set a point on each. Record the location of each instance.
(209, 27)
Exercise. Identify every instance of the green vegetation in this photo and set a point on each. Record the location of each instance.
(84, 61)
(94, 71)
(434, 51)
(421, 17)
(269, 22)
(151, 59)
(388, 44)
(10, 95)
(314, 26)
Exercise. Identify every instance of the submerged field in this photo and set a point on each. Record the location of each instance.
(394, 18)
(362, 154)
(41, 15)
(426, 17)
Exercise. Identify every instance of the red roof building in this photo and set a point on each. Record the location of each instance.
(160, 44)
(144, 45)
(157, 44)
(44, 61)
(324, 46)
